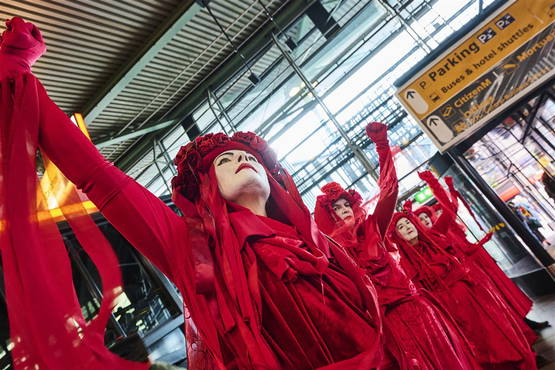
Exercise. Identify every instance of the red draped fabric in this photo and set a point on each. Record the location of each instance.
(495, 333)
(482, 260)
(47, 327)
(473, 255)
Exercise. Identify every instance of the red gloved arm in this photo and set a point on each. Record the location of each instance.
(143, 219)
(388, 183)
(21, 46)
(447, 217)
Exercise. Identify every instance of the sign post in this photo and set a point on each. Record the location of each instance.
(499, 61)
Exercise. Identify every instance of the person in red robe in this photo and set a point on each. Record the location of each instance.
(263, 286)
(417, 332)
(474, 255)
(494, 331)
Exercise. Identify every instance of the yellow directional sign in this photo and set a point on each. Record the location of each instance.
(500, 60)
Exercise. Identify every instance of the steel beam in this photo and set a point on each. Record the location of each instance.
(134, 134)
(153, 45)
(252, 47)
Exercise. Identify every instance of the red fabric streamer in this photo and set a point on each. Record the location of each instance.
(46, 324)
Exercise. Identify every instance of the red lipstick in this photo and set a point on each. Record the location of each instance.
(245, 165)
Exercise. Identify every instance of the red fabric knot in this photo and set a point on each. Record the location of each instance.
(21, 45)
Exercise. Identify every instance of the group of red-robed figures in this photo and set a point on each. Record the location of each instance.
(265, 285)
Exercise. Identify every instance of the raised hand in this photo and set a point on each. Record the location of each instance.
(21, 45)
(426, 176)
(377, 132)
(449, 181)
(407, 206)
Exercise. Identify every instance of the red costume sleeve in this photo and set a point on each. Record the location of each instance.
(448, 216)
(142, 218)
(388, 183)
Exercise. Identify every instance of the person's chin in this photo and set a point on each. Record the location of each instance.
(247, 175)
(250, 181)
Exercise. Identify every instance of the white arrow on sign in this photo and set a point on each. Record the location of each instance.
(440, 130)
(415, 100)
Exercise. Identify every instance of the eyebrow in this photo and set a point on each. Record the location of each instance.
(224, 153)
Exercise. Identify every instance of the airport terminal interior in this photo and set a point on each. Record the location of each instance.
(465, 90)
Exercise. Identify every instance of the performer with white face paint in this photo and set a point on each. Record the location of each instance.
(245, 184)
(264, 288)
(424, 218)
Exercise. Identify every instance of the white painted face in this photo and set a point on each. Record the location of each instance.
(239, 174)
(426, 220)
(343, 209)
(406, 230)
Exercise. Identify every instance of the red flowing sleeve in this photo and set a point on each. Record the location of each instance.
(143, 219)
(387, 182)
(448, 216)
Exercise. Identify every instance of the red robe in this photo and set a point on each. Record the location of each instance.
(496, 334)
(481, 259)
(261, 293)
(417, 332)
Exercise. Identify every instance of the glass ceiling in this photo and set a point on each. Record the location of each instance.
(352, 71)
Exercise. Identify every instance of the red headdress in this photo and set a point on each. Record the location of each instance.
(428, 211)
(415, 262)
(198, 155)
(324, 214)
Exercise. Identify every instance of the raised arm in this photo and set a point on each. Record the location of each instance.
(453, 193)
(448, 216)
(387, 182)
(142, 218)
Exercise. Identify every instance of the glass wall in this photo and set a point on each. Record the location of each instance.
(352, 71)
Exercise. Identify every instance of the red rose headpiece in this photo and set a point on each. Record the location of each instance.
(324, 214)
(427, 210)
(333, 192)
(198, 155)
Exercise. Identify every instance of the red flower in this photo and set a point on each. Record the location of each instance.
(333, 192)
